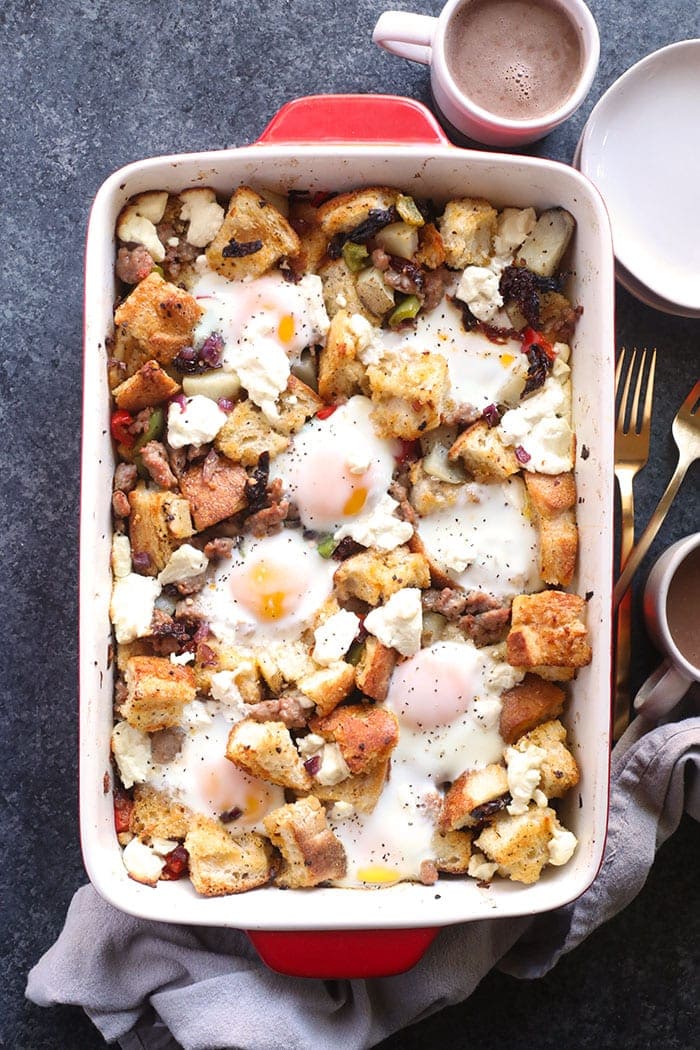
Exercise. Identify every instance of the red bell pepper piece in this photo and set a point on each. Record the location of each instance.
(326, 411)
(531, 337)
(119, 426)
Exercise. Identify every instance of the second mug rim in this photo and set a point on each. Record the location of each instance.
(552, 118)
(676, 554)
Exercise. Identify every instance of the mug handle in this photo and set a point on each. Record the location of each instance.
(406, 35)
(661, 691)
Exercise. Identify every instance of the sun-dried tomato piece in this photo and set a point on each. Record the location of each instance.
(123, 808)
(177, 864)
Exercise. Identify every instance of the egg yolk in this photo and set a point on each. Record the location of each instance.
(378, 874)
(355, 502)
(260, 592)
(507, 359)
(285, 329)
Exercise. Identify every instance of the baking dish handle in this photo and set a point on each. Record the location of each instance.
(318, 119)
(337, 954)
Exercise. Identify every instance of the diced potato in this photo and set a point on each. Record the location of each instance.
(437, 465)
(372, 291)
(542, 251)
(398, 239)
(214, 384)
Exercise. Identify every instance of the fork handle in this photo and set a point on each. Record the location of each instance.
(647, 537)
(622, 700)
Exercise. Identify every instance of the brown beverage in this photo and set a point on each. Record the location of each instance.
(683, 607)
(518, 59)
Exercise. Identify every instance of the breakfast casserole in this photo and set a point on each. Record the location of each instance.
(344, 539)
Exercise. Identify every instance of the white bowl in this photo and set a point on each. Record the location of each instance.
(640, 147)
(394, 142)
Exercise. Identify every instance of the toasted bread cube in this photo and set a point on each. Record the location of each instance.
(519, 845)
(149, 386)
(373, 576)
(157, 815)
(250, 219)
(467, 227)
(311, 853)
(217, 496)
(158, 522)
(546, 629)
(559, 771)
(453, 850)
(408, 393)
(366, 735)
(527, 705)
(343, 213)
(241, 662)
(156, 321)
(341, 373)
(466, 803)
(328, 686)
(157, 691)
(554, 674)
(438, 576)
(340, 290)
(296, 404)
(361, 792)
(428, 494)
(373, 672)
(125, 650)
(246, 434)
(312, 240)
(431, 250)
(266, 750)
(553, 501)
(221, 863)
(483, 453)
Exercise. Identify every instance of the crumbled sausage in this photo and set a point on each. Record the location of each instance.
(220, 547)
(268, 520)
(287, 708)
(478, 615)
(133, 264)
(120, 504)
(125, 477)
(155, 459)
(165, 744)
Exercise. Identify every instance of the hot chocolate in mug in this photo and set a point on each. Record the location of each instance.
(672, 613)
(502, 72)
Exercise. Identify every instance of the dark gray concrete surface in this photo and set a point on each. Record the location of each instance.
(86, 86)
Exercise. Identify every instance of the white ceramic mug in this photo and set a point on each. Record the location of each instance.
(665, 687)
(423, 39)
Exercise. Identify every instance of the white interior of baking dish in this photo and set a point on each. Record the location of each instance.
(440, 173)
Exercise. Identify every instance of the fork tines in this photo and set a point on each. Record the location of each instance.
(643, 364)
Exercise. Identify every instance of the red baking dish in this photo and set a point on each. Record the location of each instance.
(339, 143)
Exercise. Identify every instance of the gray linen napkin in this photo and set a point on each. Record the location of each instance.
(141, 981)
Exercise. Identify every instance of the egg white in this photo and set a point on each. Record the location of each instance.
(202, 778)
(266, 310)
(447, 702)
(337, 468)
(270, 588)
(481, 372)
(486, 540)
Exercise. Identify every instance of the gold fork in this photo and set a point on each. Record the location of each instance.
(686, 434)
(632, 433)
